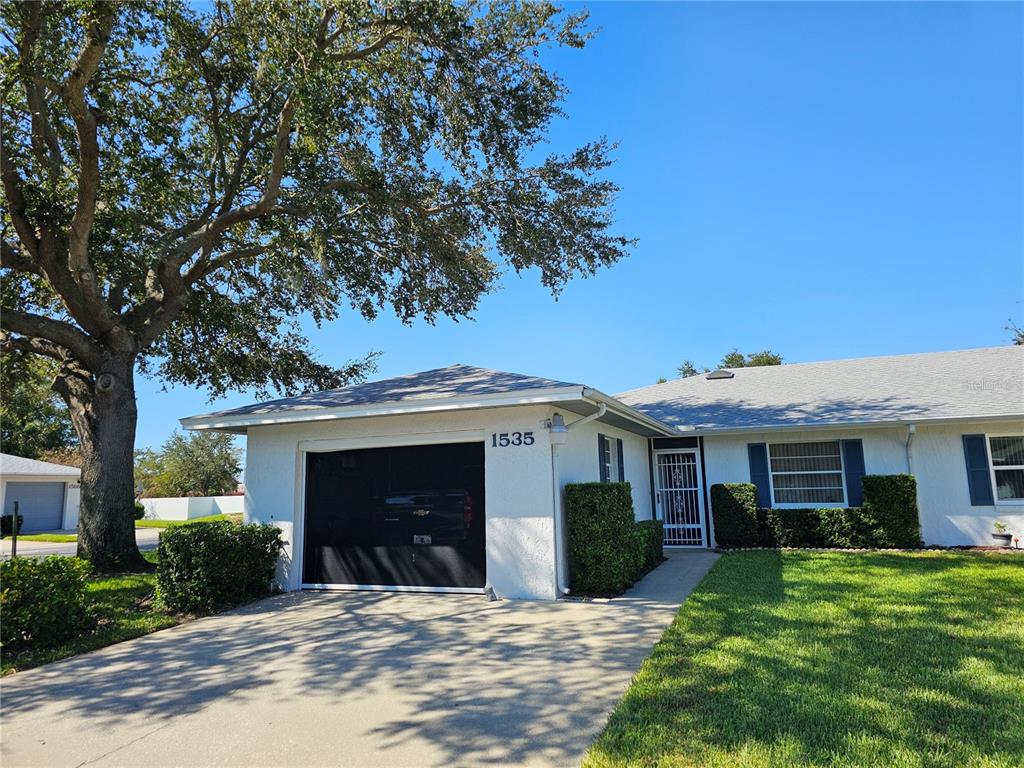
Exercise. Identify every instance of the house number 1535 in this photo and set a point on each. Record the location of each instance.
(505, 439)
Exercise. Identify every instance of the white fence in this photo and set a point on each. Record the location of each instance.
(191, 507)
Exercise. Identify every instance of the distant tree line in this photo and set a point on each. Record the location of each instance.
(733, 359)
(197, 464)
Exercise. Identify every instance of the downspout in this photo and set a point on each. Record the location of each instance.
(556, 492)
(911, 431)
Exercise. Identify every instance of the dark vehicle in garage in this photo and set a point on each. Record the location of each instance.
(405, 516)
(424, 517)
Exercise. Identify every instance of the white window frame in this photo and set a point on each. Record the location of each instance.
(992, 470)
(807, 504)
(613, 458)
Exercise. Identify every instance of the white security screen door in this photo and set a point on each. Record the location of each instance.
(679, 498)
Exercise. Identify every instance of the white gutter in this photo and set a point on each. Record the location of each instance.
(628, 412)
(911, 431)
(394, 408)
(602, 409)
(690, 429)
(560, 553)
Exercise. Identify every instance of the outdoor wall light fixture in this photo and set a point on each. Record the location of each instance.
(559, 433)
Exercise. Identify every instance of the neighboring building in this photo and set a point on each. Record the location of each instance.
(47, 494)
(451, 479)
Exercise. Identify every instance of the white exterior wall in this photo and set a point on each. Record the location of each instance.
(517, 480)
(578, 460)
(72, 494)
(947, 517)
(72, 501)
(191, 507)
(936, 460)
(726, 459)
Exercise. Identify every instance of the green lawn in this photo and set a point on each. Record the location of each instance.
(171, 523)
(124, 609)
(834, 659)
(56, 538)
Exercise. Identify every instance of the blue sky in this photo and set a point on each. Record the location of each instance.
(826, 180)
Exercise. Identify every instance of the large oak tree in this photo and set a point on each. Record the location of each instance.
(181, 183)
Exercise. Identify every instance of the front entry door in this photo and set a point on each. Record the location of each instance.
(679, 498)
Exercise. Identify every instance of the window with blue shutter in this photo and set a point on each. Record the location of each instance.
(618, 451)
(979, 481)
(757, 453)
(603, 456)
(853, 468)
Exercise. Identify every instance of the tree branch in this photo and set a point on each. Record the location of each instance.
(44, 142)
(38, 327)
(73, 95)
(33, 346)
(11, 257)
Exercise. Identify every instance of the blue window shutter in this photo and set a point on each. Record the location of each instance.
(978, 479)
(758, 455)
(618, 446)
(602, 456)
(853, 465)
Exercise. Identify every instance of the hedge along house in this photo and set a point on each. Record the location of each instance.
(452, 479)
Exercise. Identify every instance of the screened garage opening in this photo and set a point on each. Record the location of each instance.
(404, 516)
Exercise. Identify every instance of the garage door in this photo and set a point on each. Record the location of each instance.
(40, 504)
(409, 516)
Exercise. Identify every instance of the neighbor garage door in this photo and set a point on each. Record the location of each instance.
(40, 504)
(409, 516)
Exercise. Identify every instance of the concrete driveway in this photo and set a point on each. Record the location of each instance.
(146, 538)
(350, 679)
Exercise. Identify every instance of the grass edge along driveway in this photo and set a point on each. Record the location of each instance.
(834, 658)
(123, 605)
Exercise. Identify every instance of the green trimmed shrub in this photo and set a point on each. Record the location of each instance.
(734, 510)
(846, 528)
(891, 503)
(653, 539)
(43, 601)
(140, 510)
(795, 527)
(208, 567)
(606, 547)
(765, 534)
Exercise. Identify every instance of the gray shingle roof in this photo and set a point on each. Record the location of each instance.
(455, 380)
(940, 385)
(18, 465)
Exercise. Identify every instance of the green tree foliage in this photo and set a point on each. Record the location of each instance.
(183, 180)
(733, 359)
(689, 369)
(196, 464)
(34, 422)
(1016, 333)
(764, 357)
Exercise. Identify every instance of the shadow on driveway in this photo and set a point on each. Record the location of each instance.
(350, 679)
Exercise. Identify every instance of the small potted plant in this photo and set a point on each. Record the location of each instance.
(1001, 533)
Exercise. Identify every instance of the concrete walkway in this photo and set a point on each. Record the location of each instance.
(146, 538)
(350, 679)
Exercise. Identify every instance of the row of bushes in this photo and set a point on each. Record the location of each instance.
(888, 518)
(201, 568)
(608, 549)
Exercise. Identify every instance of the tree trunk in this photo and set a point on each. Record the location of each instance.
(103, 411)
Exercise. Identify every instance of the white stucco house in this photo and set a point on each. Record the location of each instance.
(452, 479)
(47, 494)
